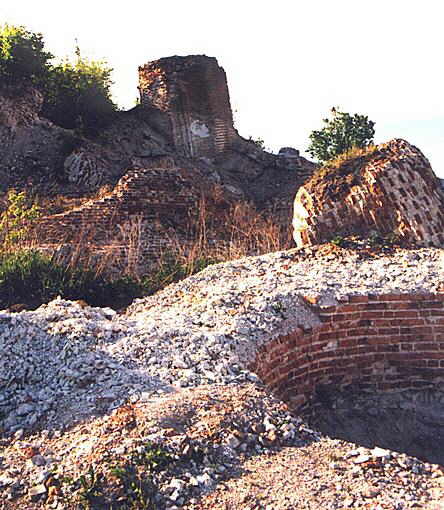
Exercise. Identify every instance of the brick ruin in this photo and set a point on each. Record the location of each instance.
(193, 92)
(374, 342)
(375, 346)
(152, 204)
(391, 190)
(163, 155)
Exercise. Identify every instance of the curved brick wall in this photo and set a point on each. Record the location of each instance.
(392, 190)
(368, 343)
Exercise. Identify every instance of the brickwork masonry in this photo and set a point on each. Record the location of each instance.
(392, 191)
(366, 343)
(159, 198)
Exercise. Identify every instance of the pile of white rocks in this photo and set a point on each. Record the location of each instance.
(66, 361)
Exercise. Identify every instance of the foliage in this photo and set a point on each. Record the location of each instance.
(16, 219)
(134, 475)
(343, 132)
(131, 486)
(28, 277)
(259, 142)
(172, 269)
(338, 241)
(23, 59)
(78, 95)
(89, 491)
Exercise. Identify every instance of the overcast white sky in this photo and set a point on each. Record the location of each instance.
(287, 62)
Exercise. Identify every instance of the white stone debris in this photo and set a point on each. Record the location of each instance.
(65, 361)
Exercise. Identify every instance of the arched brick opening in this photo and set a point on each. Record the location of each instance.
(367, 345)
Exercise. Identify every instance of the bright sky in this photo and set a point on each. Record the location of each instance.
(288, 62)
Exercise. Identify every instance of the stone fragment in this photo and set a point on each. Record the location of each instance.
(232, 441)
(205, 480)
(25, 409)
(361, 459)
(37, 491)
(38, 460)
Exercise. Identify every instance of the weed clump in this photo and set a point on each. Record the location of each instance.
(30, 278)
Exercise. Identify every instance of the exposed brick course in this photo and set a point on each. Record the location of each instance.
(193, 91)
(392, 191)
(160, 198)
(357, 347)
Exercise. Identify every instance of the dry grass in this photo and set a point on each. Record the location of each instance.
(337, 176)
(237, 232)
(62, 203)
(215, 231)
(350, 155)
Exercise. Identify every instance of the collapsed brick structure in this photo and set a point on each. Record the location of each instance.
(152, 204)
(365, 343)
(391, 190)
(178, 142)
(193, 92)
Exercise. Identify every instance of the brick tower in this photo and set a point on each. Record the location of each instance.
(193, 92)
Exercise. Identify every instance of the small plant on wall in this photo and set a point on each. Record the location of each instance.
(16, 219)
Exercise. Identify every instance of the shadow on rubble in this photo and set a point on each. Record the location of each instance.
(410, 421)
(28, 405)
(206, 432)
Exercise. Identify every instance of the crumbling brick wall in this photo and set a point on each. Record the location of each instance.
(193, 91)
(369, 343)
(159, 199)
(392, 190)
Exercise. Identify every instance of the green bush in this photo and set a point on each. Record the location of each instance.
(23, 59)
(342, 133)
(16, 219)
(27, 277)
(78, 95)
(170, 270)
(30, 278)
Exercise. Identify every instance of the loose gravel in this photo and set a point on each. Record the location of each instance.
(170, 373)
(65, 361)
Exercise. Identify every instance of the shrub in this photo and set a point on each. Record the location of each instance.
(78, 95)
(172, 268)
(17, 218)
(259, 142)
(23, 59)
(342, 133)
(30, 278)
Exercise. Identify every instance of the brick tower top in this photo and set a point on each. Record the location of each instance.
(193, 91)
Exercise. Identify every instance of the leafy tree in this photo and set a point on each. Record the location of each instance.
(23, 58)
(78, 94)
(343, 132)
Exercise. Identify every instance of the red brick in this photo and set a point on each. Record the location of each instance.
(395, 297)
(358, 299)
(388, 331)
(377, 306)
(408, 315)
(372, 315)
(426, 346)
(380, 323)
(403, 306)
(350, 308)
